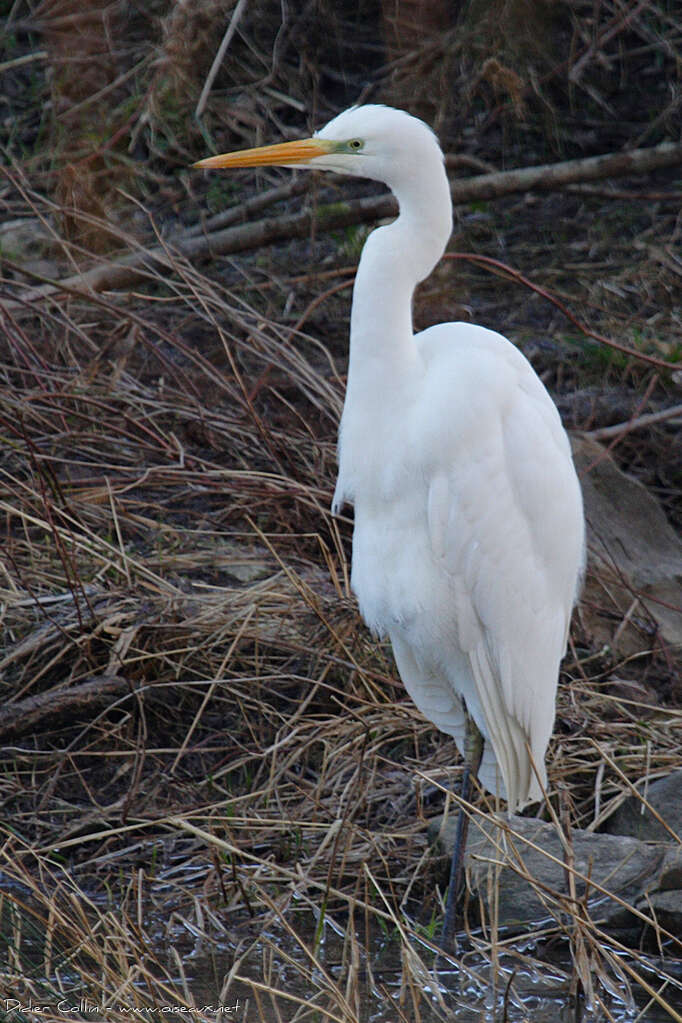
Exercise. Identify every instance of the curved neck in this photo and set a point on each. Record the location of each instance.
(394, 260)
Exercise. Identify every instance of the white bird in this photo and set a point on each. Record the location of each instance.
(468, 542)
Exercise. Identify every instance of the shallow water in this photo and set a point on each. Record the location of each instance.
(518, 987)
(280, 976)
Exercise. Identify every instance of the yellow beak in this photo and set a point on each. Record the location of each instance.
(282, 154)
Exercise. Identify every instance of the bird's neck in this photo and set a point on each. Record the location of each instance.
(384, 366)
(394, 260)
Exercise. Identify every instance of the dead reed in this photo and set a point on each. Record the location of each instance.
(206, 759)
(253, 779)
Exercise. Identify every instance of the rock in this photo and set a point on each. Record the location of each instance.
(667, 909)
(633, 550)
(671, 874)
(665, 797)
(520, 862)
(666, 903)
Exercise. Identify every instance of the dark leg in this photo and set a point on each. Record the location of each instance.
(473, 751)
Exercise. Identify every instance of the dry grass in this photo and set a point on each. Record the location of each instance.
(247, 801)
(258, 779)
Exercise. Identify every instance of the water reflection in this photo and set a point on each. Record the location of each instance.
(518, 986)
(295, 970)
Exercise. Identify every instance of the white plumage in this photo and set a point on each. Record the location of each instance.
(468, 540)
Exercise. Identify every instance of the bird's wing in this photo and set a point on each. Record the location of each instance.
(505, 525)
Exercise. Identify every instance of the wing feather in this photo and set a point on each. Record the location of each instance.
(505, 525)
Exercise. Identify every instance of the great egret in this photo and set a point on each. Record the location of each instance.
(468, 542)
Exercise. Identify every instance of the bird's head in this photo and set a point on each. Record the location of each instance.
(369, 141)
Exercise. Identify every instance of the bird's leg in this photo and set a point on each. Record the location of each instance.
(473, 751)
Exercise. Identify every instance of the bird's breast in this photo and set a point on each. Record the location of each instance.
(390, 556)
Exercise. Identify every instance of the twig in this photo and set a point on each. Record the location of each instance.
(606, 432)
(253, 205)
(218, 59)
(516, 275)
(608, 32)
(27, 58)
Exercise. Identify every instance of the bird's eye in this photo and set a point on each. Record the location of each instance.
(355, 144)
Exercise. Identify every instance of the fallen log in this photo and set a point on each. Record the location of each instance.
(132, 268)
(30, 714)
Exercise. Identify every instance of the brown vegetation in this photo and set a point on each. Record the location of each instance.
(219, 758)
